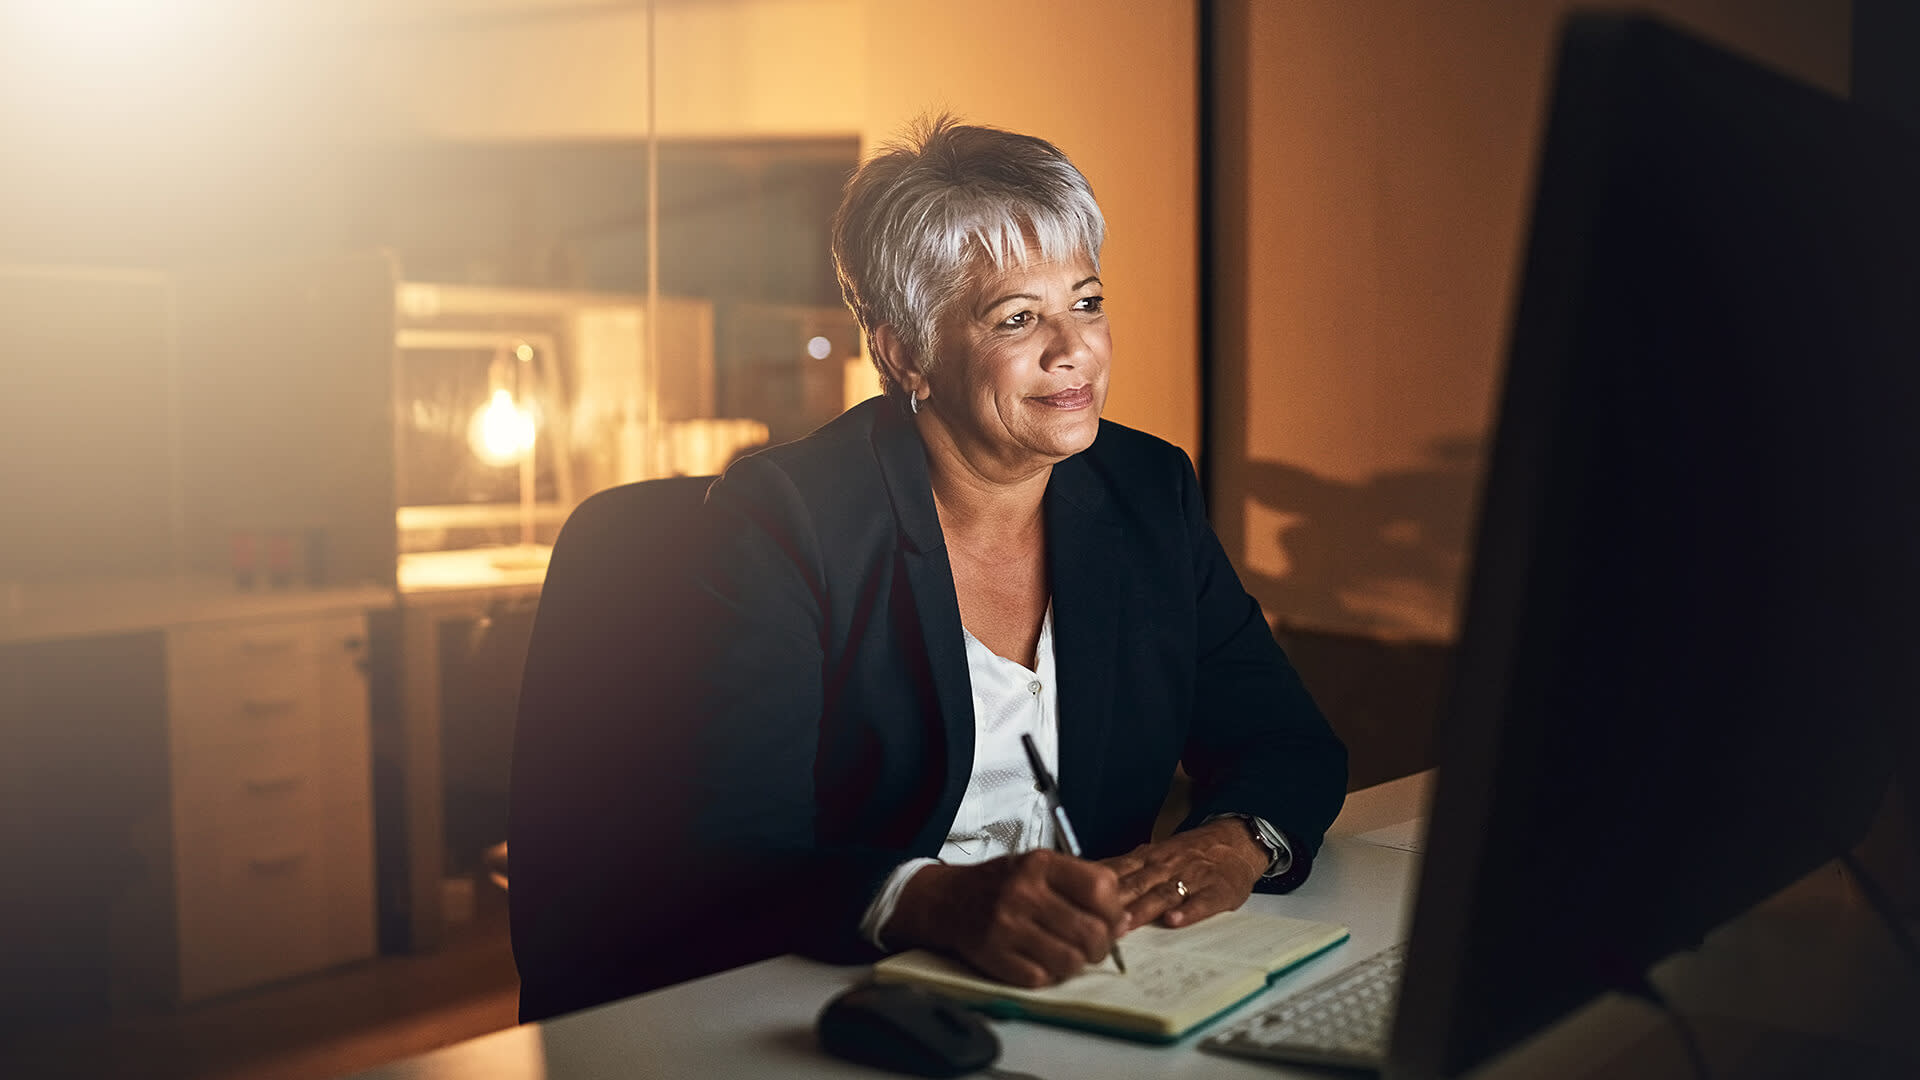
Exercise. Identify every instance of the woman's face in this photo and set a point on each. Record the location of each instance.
(1023, 359)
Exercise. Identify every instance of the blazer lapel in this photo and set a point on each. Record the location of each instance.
(923, 553)
(1090, 573)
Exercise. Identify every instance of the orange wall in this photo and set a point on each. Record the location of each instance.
(1381, 171)
(1116, 89)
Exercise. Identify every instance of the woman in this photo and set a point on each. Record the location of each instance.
(885, 606)
(978, 555)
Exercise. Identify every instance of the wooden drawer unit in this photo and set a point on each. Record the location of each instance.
(272, 804)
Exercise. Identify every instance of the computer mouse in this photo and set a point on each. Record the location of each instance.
(906, 1029)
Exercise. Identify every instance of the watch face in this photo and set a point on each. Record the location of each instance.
(1269, 838)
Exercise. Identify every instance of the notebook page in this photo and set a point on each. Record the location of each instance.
(1164, 990)
(1242, 937)
(1174, 978)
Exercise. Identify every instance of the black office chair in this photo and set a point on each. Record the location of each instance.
(596, 765)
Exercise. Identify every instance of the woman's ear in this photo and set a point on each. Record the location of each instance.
(898, 361)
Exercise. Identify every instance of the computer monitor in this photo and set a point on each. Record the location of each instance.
(1693, 616)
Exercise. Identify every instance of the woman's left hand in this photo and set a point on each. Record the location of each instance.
(1217, 863)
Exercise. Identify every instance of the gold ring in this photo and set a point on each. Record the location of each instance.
(1180, 887)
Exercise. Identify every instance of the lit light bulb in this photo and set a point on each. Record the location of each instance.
(501, 431)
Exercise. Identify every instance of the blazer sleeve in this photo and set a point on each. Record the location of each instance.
(757, 698)
(1258, 744)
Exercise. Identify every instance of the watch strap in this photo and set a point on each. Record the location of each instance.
(1280, 856)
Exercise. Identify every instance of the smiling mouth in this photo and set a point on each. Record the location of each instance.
(1077, 398)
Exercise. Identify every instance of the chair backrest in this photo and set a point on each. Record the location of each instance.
(616, 542)
(589, 734)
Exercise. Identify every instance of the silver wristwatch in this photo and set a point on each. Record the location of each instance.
(1279, 855)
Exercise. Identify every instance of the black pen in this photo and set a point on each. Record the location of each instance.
(1062, 828)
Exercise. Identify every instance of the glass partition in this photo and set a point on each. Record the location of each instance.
(340, 309)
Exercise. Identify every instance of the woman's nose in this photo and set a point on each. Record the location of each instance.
(1067, 347)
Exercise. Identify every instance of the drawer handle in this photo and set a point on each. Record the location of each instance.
(262, 708)
(273, 865)
(259, 646)
(273, 784)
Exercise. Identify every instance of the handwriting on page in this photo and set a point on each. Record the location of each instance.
(1176, 978)
(1156, 979)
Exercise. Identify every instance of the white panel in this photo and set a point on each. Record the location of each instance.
(272, 800)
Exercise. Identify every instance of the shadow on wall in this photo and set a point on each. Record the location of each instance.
(1384, 556)
(1361, 581)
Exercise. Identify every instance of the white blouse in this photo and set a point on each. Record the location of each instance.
(1001, 813)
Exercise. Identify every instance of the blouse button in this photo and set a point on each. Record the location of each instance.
(1033, 687)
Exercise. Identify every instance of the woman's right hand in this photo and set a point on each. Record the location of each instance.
(1028, 920)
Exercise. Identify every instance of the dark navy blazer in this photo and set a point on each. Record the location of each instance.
(836, 713)
(732, 766)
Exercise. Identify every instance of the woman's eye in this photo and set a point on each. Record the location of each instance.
(1094, 304)
(1016, 320)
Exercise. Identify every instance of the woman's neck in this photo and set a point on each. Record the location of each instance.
(977, 513)
(979, 507)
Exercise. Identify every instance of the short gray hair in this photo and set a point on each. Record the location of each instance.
(918, 213)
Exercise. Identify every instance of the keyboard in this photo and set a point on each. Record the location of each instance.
(1344, 1019)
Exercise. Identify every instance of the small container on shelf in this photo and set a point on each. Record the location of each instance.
(243, 544)
(280, 558)
(314, 552)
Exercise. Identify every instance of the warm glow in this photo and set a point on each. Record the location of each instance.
(501, 431)
(119, 31)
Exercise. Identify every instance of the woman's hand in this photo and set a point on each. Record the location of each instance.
(1218, 863)
(1029, 920)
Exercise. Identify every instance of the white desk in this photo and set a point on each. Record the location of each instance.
(758, 1020)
